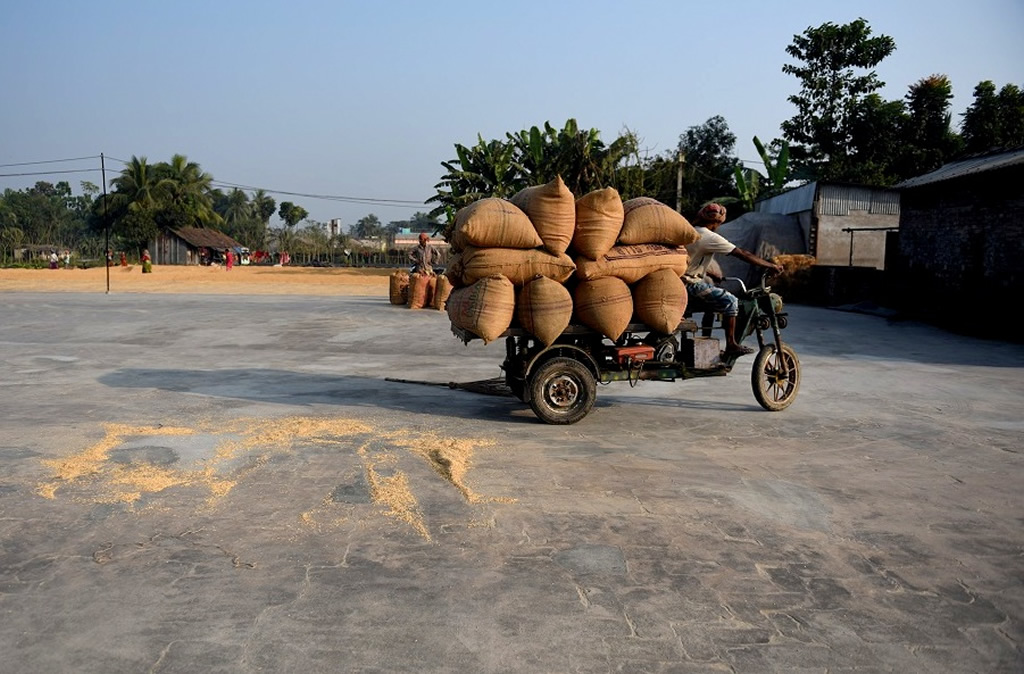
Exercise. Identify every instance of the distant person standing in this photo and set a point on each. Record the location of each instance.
(53, 259)
(124, 259)
(110, 258)
(229, 258)
(422, 256)
(147, 263)
(67, 259)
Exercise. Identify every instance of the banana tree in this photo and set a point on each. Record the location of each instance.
(778, 170)
(749, 181)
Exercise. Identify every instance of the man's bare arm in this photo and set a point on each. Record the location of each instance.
(756, 261)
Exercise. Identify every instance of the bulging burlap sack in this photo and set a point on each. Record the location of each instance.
(599, 217)
(544, 308)
(648, 220)
(494, 223)
(552, 210)
(659, 300)
(632, 263)
(453, 270)
(604, 305)
(398, 289)
(485, 308)
(421, 290)
(519, 266)
(442, 289)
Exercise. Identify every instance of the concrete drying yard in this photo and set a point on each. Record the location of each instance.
(228, 483)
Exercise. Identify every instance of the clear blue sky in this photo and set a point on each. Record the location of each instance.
(366, 99)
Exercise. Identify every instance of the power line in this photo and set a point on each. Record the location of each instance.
(48, 173)
(328, 197)
(48, 161)
(370, 201)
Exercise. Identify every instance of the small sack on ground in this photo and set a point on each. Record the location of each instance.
(421, 288)
(398, 288)
(442, 289)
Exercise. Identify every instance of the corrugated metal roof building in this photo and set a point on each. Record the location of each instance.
(842, 224)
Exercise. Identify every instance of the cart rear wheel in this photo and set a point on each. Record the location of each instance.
(562, 391)
(775, 377)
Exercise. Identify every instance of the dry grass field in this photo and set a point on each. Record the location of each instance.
(202, 280)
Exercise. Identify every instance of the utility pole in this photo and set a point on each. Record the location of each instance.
(106, 223)
(679, 182)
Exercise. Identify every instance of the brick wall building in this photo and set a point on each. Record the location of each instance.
(961, 242)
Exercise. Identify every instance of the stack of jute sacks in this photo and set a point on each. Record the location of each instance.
(544, 258)
(419, 291)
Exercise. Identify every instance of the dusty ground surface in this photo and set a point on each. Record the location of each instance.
(227, 482)
(249, 280)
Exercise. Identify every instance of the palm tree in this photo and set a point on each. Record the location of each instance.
(263, 206)
(190, 190)
(138, 188)
(236, 207)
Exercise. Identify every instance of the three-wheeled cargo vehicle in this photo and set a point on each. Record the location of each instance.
(559, 381)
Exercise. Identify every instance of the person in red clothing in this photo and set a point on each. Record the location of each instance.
(229, 258)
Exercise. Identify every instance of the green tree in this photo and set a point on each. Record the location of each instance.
(315, 241)
(368, 227)
(835, 73)
(876, 142)
(705, 157)
(752, 184)
(263, 206)
(138, 187)
(710, 162)
(187, 190)
(292, 214)
(993, 121)
(534, 156)
(486, 169)
(578, 155)
(928, 140)
(235, 208)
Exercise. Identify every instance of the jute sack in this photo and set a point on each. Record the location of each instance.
(453, 270)
(442, 289)
(632, 263)
(599, 217)
(552, 210)
(494, 223)
(398, 289)
(421, 290)
(604, 305)
(544, 308)
(485, 308)
(519, 266)
(648, 220)
(659, 300)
